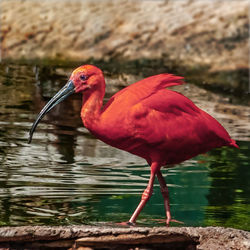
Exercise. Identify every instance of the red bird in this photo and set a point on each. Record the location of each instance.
(146, 119)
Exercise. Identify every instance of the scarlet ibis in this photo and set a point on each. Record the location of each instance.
(146, 119)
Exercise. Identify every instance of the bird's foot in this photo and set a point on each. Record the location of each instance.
(127, 223)
(168, 221)
(173, 220)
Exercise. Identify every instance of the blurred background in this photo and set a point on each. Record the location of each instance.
(66, 176)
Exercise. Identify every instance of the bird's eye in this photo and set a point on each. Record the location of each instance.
(83, 77)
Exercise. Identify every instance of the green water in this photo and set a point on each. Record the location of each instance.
(67, 177)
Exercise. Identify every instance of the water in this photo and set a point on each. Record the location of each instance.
(67, 177)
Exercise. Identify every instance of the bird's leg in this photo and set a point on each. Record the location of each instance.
(146, 194)
(165, 194)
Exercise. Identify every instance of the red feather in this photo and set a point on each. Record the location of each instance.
(156, 123)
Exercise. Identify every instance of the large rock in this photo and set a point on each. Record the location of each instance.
(213, 33)
(91, 237)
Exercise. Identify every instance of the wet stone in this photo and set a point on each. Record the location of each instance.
(92, 237)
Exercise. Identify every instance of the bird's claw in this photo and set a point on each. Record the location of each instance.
(127, 223)
(173, 220)
(168, 221)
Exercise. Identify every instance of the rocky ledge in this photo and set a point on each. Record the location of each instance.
(206, 38)
(93, 237)
(213, 33)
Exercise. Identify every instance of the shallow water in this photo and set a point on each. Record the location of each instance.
(67, 177)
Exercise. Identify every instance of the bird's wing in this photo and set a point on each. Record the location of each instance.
(143, 88)
(173, 124)
(147, 116)
(165, 114)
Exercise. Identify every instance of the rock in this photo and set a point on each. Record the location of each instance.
(206, 40)
(213, 33)
(92, 237)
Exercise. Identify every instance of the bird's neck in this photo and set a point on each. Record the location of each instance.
(91, 109)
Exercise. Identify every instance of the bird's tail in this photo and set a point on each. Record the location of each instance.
(233, 144)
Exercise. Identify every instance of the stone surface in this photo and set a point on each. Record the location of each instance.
(91, 237)
(213, 33)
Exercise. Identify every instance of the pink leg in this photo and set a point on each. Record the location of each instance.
(165, 194)
(146, 194)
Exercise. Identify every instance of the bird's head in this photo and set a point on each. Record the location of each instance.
(84, 79)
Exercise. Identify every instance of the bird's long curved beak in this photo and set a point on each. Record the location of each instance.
(62, 94)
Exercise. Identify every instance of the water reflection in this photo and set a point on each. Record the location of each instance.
(229, 201)
(66, 176)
